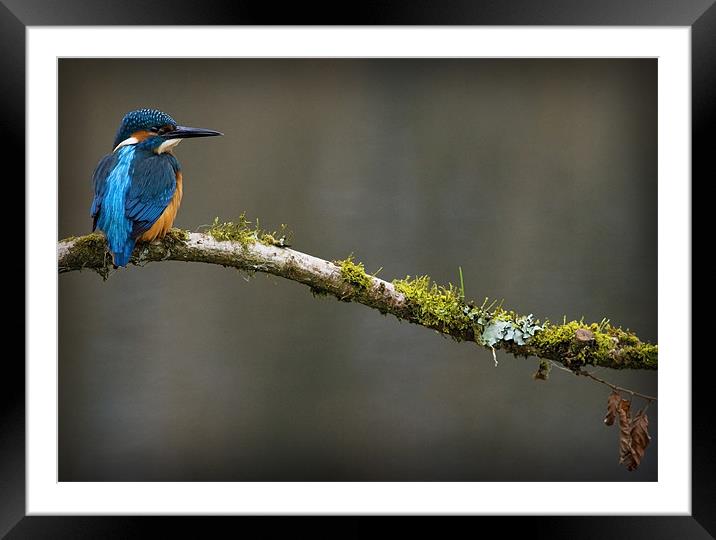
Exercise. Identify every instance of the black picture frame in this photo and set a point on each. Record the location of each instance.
(699, 15)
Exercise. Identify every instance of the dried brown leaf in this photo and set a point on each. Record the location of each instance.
(639, 439)
(612, 408)
(626, 453)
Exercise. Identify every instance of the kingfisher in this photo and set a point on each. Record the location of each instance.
(138, 186)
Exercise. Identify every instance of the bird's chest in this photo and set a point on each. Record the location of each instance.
(166, 220)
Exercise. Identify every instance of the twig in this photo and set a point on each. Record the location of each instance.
(555, 364)
(614, 386)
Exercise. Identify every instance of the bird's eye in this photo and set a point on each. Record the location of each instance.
(154, 129)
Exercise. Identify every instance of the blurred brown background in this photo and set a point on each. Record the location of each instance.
(538, 177)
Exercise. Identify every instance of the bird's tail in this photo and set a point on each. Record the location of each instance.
(122, 255)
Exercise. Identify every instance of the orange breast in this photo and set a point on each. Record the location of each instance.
(166, 220)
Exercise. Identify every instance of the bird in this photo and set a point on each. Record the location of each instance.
(138, 186)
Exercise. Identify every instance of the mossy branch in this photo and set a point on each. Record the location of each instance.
(574, 344)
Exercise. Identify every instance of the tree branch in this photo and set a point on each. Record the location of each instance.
(574, 344)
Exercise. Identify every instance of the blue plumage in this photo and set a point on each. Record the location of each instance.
(152, 188)
(112, 218)
(135, 184)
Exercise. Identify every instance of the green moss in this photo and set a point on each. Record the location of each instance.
(554, 337)
(175, 238)
(609, 346)
(318, 292)
(354, 273)
(444, 308)
(280, 238)
(503, 315)
(543, 369)
(90, 241)
(91, 251)
(177, 235)
(604, 344)
(240, 231)
(435, 305)
(246, 233)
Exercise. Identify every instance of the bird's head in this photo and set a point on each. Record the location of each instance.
(155, 129)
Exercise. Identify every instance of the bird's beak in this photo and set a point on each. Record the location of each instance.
(184, 132)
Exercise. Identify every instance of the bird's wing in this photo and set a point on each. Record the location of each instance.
(152, 188)
(99, 182)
